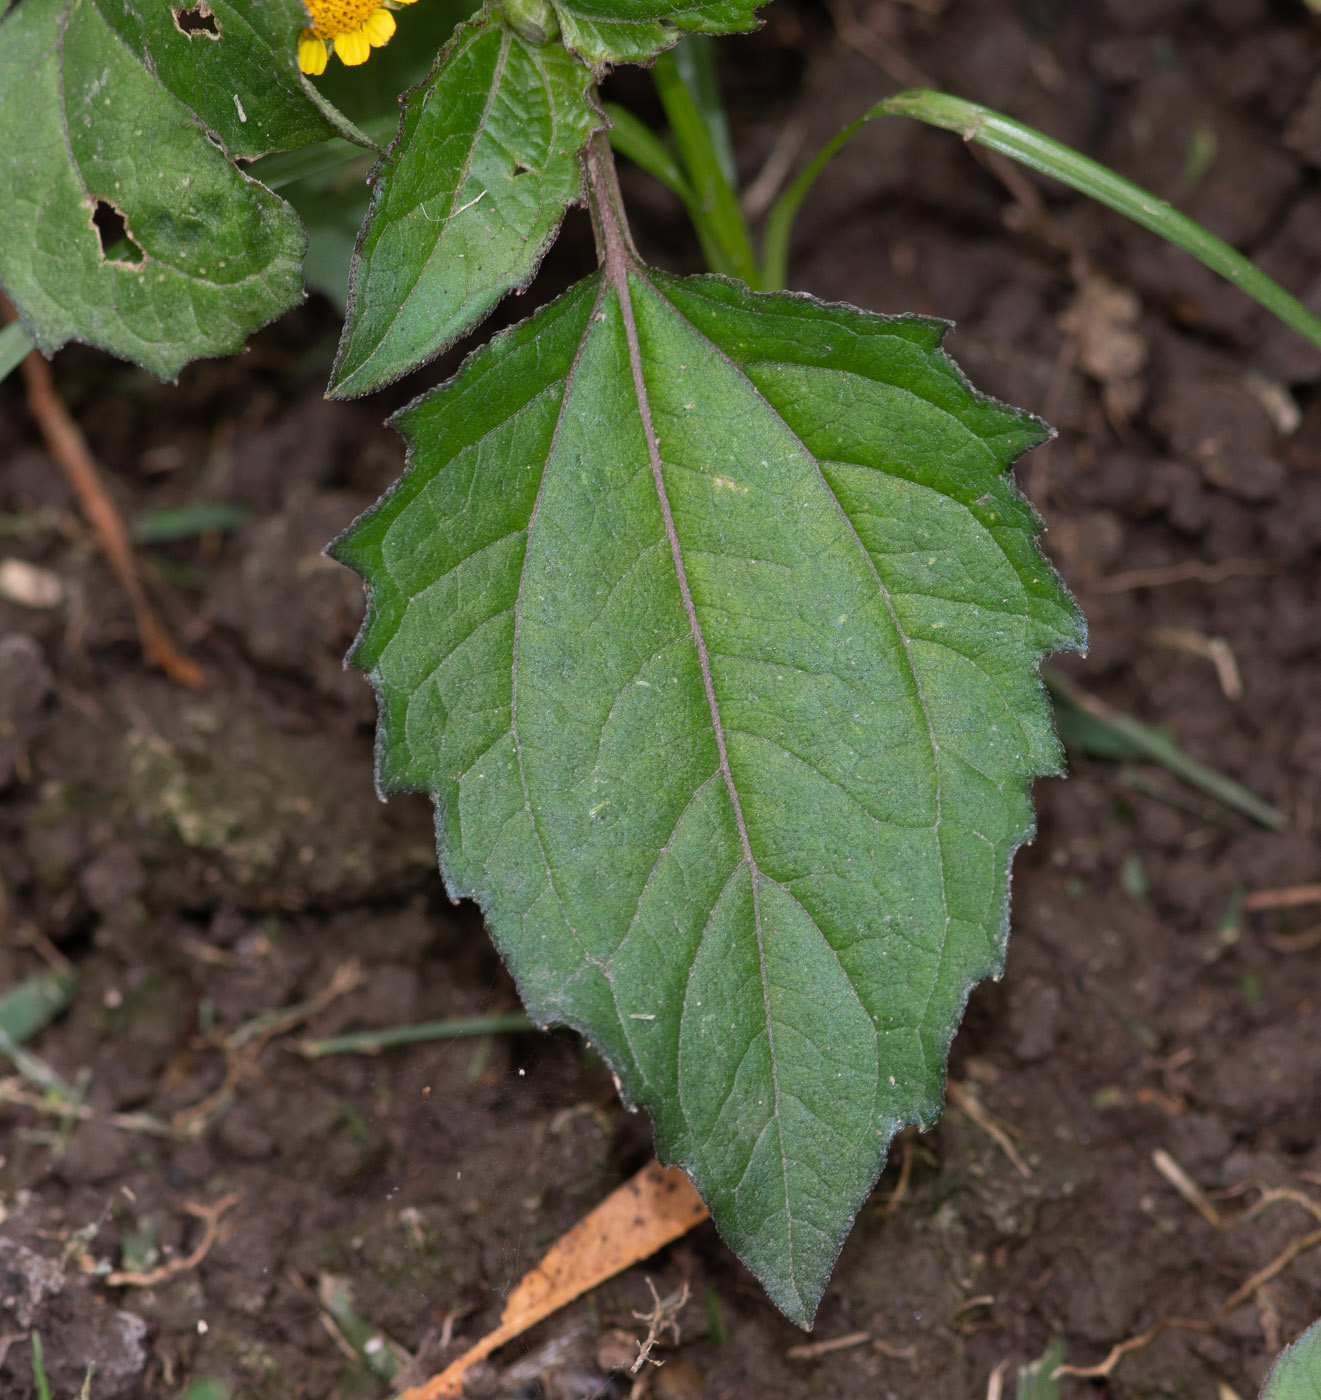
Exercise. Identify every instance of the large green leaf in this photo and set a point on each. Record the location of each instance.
(1296, 1374)
(466, 202)
(212, 256)
(633, 31)
(234, 64)
(712, 622)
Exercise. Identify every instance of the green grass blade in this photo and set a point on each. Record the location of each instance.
(372, 1042)
(694, 56)
(1132, 737)
(1039, 152)
(780, 221)
(39, 1367)
(33, 1003)
(715, 208)
(632, 137)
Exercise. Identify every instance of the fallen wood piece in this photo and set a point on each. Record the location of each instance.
(649, 1211)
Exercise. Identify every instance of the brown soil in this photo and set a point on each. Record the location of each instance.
(205, 859)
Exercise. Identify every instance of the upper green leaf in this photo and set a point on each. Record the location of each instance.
(86, 131)
(712, 623)
(633, 31)
(233, 63)
(1296, 1374)
(466, 202)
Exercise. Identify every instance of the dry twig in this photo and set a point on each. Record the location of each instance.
(965, 1099)
(1281, 1261)
(244, 1045)
(809, 1351)
(1121, 1349)
(69, 448)
(1186, 1187)
(995, 1382)
(1194, 571)
(1288, 897)
(871, 46)
(890, 1205)
(1294, 942)
(662, 1320)
(1270, 1195)
(211, 1215)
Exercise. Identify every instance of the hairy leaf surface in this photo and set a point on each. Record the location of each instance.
(711, 621)
(210, 256)
(633, 31)
(466, 202)
(234, 65)
(1296, 1374)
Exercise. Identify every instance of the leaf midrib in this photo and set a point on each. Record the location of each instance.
(900, 632)
(616, 273)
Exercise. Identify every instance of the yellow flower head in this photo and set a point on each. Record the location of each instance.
(353, 27)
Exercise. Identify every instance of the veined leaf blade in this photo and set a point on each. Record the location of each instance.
(711, 620)
(219, 255)
(465, 203)
(635, 31)
(236, 69)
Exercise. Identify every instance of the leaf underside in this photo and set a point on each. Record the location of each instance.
(466, 202)
(213, 255)
(635, 31)
(711, 621)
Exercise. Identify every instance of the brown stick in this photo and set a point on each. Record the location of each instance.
(1284, 1258)
(1121, 1349)
(1289, 897)
(211, 1215)
(70, 450)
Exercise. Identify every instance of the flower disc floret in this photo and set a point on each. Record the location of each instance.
(353, 28)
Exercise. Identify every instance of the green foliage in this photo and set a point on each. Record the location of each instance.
(738, 800)
(633, 31)
(1296, 1374)
(709, 617)
(212, 255)
(236, 72)
(467, 201)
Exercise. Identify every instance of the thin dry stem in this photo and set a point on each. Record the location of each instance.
(69, 448)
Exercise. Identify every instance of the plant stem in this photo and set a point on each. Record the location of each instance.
(614, 239)
(371, 1042)
(721, 227)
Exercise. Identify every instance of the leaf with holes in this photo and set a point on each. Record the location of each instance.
(233, 64)
(712, 622)
(634, 31)
(121, 224)
(467, 201)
